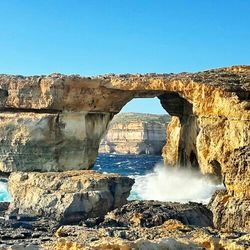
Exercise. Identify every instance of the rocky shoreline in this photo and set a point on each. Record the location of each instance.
(136, 225)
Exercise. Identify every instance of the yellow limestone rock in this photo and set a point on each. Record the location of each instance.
(68, 197)
(55, 122)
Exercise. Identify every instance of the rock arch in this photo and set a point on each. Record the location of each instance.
(63, 117)
(55, 122)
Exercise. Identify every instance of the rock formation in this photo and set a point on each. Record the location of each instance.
(135, 133)
(141, 225)
(69, 196)
(35, 141)
(212, 108)
(154, 213)
(231, 207)
(55, 123)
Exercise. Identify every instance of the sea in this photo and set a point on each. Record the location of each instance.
(153, 180)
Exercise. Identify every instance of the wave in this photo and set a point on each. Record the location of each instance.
(162, 184)
(173, 184)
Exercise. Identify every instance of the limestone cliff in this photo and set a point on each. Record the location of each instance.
(55, 122)
(135, 133)
(45, 141)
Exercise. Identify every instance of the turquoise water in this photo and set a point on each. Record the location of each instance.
(4, 195)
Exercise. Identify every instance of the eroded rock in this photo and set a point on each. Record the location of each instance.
(155, 213)
(231, 207)
(69, 196)
(44, 233)
(212, 108)
(50, 141)
(230, 213)
(125, 228)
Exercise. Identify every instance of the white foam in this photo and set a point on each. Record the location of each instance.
(173, 184)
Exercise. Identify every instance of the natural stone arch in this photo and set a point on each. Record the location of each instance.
(55, 122)
(60, 119)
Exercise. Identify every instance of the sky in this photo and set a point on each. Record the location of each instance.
(92, 37)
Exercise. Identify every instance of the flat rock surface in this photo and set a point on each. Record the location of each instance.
(68, 196)
(22, 234)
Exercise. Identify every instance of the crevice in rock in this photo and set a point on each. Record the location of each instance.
(193, 160)
(4, 175)
(30, 110)
(217, 169)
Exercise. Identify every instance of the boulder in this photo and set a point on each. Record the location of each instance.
(68, 196)
(155, 213)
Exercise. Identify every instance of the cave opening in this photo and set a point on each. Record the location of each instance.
(140, 128)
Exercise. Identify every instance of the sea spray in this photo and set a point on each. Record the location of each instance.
(173, 184)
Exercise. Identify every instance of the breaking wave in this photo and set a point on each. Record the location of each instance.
(173, 184)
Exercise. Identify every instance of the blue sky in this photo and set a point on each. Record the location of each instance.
(91, 37)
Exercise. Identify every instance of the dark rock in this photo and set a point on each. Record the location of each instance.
(25, 235)
(155, 213)
(26, 217)
(4, 205)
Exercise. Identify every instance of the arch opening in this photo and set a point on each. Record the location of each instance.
(126, 150)
(139, 128)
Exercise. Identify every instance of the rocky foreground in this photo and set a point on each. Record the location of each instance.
(142, 225)
(89, 210)
(135, 133)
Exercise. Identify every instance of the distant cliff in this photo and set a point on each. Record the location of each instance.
(135, 133)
